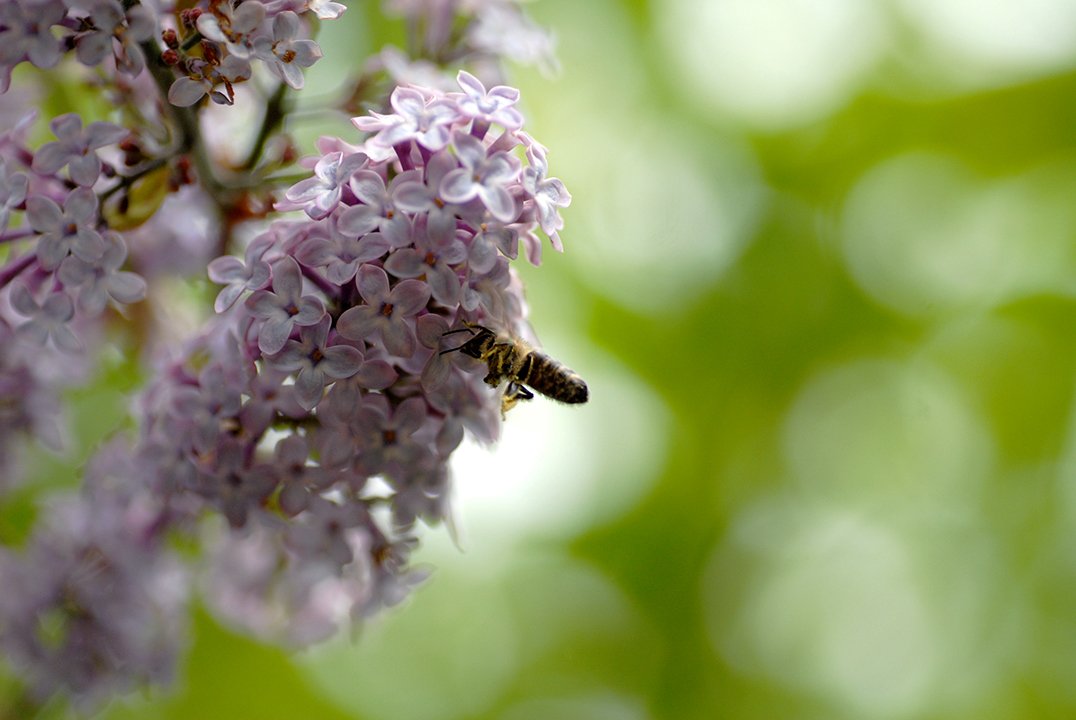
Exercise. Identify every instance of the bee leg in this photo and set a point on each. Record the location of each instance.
(513, 393)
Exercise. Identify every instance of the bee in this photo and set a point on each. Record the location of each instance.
(522, 366)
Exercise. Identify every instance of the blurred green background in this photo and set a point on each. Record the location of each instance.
(820, 274)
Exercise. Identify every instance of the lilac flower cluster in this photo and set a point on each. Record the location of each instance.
(304, 432)
(317, 416)
(94, 604)
(482, 33)
(235, 32)
(212, 43)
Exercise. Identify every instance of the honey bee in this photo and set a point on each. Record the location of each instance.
(522, 366)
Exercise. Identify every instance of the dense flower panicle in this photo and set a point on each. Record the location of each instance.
(337, 345)
(235, 32)
(100, 605)
(485, 31)
(305, 431)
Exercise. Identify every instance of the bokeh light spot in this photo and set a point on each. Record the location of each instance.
(774, 64)
(659, 209)
(883, 430)
(994, 41)
(832, 607)
(923, 235)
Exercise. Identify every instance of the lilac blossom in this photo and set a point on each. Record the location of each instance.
(341, 254)
(548, 194)
(48, 320)
(318, 196)
(416, 118)
(103, 280)
(493, 106)
(315, 362)
(300, 479)
(76, 148)
(284, 308)
(13, 186)
(234, 23)
(27, 32)
(297, 438)
(204, 77)
(283, 54)
(431, 256)
(94, 605)
(70, 230)
(110, 24)
(387, 312)
(376, 210)
(238, 276)
(484, 176)
(326, 9)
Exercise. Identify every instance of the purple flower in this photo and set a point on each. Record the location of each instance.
(235, 486)
(324, 534)
(48, 320)
(238, 276)
(422, 196)
(300, 480)
(13, 187)
(503, 31)
(283, 54)
(76, 148)
(109, 22)
(431, 256)
(319, 195)
(390, 439)
(316, 363)
(549, 194)
(71, 230)
(377, 211)
(203, 77)
(27, 32)
(387, 313)
(326, 9)
(233, 23)
(102, 280)
(94, 605)
(204, 408)
(486, 177)
(426, 122)
(341, 254)
(494, 106)
(284, 308)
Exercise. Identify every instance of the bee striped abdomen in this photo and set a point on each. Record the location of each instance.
(551, 378)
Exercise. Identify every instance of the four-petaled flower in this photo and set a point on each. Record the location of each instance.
(71, 230)
(431, 256)
(548, 193)
(284, 308)
(387, 313)
(319, 195)
(429, 123)
(98, 281)
(283, 54)
(13, 187)
(378, 210)
(47, 320)
(76, 148)
(484, 176)
(494, 106)
(238, 276)
(315, 362)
